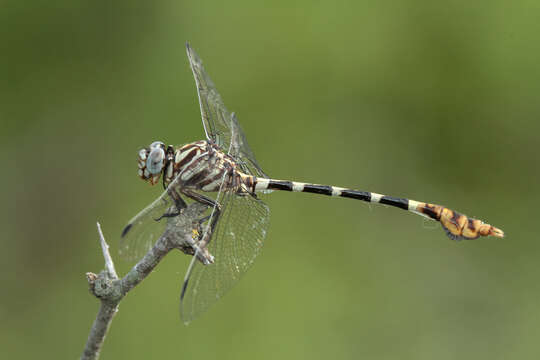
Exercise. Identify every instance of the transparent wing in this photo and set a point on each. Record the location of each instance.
(220, 125)
(239, 148)
(143, 230)
(236, 242)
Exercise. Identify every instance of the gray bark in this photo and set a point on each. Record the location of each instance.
(110, 289)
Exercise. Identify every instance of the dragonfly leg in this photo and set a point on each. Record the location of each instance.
(178, 202)
(200, 221)
(213, 218)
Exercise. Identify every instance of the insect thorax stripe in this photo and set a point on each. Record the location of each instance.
(184, 156)
(199, 175)
(194, 167)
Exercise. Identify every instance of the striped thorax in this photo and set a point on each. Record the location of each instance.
(198, 166)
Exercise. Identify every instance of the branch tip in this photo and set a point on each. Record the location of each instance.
(91, 277)
(109, 265)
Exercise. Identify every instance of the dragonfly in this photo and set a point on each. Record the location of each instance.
(235, 225)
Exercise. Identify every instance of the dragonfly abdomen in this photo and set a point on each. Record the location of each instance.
(456, 225)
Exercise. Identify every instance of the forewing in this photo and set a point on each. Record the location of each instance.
(236, 242)
(143, 230)
(215, 116)
(241, 150)
(220, 125)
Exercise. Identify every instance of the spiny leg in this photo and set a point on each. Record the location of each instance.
(202, 246)
(213, 218)
(178, 202)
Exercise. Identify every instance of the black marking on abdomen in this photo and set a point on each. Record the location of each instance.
(470, 225)
(280, 185)
(354, 194)
(430, 210)
(397, 202)
(318, 189)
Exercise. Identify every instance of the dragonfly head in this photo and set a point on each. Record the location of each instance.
(152, 161)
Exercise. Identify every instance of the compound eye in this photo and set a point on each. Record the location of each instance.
(155, 160)
(156, 144)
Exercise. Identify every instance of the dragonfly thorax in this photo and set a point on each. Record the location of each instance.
(198, 165)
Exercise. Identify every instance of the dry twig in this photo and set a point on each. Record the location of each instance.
(110, 289)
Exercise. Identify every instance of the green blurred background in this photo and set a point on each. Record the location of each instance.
(436, 101)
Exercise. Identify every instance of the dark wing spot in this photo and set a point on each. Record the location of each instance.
(126, 229)
(184, 288)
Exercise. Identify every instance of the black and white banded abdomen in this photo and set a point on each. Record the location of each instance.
(456, 225)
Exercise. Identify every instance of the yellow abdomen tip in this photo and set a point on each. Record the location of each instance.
(496, 232)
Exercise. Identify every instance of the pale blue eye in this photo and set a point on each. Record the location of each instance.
(154, 163)
(156, 144)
